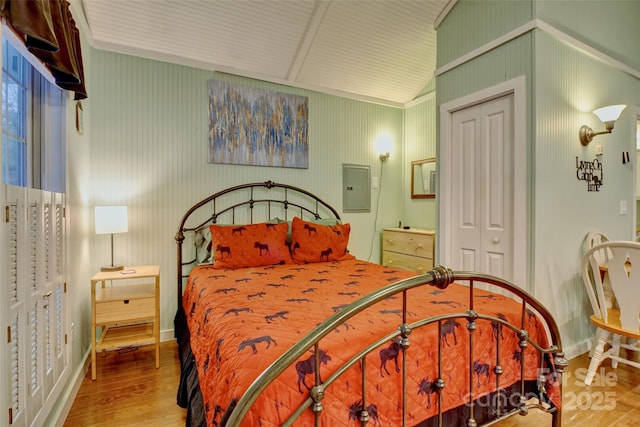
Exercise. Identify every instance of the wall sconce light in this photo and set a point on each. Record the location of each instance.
(608, 116)
(383, 146)
(111, 220)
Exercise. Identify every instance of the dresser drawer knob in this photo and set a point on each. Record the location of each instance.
(126, 301)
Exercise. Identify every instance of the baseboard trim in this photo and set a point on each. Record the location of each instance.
(72, 391)
(577, 349)
(167, 335)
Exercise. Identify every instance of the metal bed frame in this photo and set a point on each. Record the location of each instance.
(440, 278)
(552, 360)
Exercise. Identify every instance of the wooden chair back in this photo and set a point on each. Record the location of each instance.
(622, 270)
(595, 238)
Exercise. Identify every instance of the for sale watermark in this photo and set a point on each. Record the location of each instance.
(596, 397)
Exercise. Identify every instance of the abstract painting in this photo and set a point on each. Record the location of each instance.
(251, 126)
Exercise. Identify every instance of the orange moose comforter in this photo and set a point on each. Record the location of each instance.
(242, 320)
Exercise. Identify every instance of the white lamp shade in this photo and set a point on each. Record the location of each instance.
(384, 143)
(111, 219)
(609, 113)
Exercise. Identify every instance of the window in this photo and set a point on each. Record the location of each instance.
(33, 124)
(16, 73)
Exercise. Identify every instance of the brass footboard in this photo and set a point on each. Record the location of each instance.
(551, 360)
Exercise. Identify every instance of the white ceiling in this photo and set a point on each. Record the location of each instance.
(377, 50)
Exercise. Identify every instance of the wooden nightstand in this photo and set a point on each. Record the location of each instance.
(128, 313)
(410, 249)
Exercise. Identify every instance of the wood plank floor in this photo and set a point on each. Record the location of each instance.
(129, 391)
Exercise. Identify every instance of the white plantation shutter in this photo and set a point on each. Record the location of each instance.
(12, 246)
(48, 355)
(56, 300)
(16, 371)
(15, 308)
(32, 273)
(47, 240)
(46, 294)
(33, 244)
(59, 235)
(29, 280)
(34, 313)
(59, 310)
(34, 380)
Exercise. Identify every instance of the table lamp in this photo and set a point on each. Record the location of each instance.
(111, 220)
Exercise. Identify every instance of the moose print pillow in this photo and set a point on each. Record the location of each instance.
(311, 242)
(251, 245)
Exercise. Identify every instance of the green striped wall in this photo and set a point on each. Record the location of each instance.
(148, 150)
(610, 26)
(564, 211)
(503, 63)
(420, 143)
(472, 23)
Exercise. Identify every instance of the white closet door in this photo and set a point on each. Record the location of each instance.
(482, 188)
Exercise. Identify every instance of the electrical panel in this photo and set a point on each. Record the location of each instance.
(356, 188)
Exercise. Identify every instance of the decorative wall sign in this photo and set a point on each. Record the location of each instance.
(250, 126)
(591, 172)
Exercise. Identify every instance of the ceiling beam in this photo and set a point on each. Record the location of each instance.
(305, 44)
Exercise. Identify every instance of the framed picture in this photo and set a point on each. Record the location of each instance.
(251, 126)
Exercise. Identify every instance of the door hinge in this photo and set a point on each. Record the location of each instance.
(10, 415)
(8, 333)
(65, 339)
(6, 214)
(65, 287)
(64, 212)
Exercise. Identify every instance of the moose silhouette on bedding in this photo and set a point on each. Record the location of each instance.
(255, 322)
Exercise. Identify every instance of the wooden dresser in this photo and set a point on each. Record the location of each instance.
(409, 249)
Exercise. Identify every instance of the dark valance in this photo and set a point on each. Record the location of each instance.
(49, 32)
